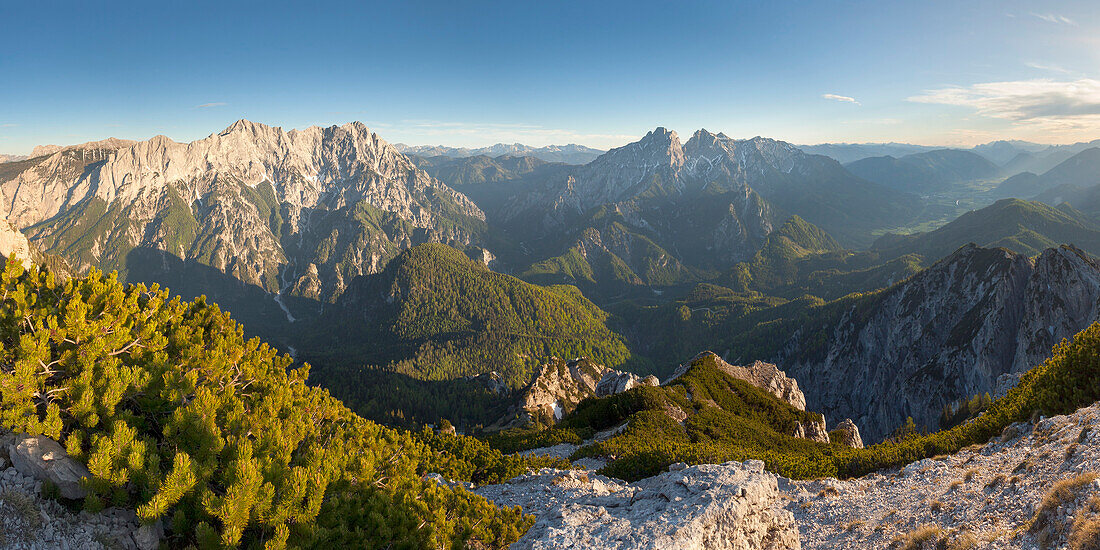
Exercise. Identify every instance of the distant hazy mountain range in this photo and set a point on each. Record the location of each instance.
(851, 152)
(925, 172)
(1012, 156)
(569, 154)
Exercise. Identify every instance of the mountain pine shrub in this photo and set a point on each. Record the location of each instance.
(177, 415)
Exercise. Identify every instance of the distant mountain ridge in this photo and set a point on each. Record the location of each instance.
(568, 154)
(1013, 156)
(1023, 226)
(1063, 183)
(459, 172)
(851, 152)
(815, 187)
(297, 212)
(925, 172)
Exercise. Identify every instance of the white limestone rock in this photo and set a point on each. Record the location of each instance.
(849, 434)
(724, 506)
(46, 460)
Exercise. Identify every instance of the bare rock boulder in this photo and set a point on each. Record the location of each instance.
(147, 537)
(46, 460)
(813, 430)
(849, 434)
(732, 506)
(614, 382)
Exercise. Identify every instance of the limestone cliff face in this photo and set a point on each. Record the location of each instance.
(14, 244)
(305, 210)
(945, 334)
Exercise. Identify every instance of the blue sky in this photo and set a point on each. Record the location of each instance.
(597, 73)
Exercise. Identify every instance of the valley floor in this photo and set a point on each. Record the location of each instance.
(1033, 487)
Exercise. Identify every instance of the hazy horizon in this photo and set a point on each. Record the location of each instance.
(684, 135)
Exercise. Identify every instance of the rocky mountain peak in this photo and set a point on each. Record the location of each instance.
(227, 188)
(560, 385)
(247, 126)
(660, 146)
(703, 137)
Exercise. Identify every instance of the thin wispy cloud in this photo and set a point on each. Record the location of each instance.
(209, 105)
(1055, 18)
(9, 125)
(841, 98)
(1061, 107)
(1046, 67)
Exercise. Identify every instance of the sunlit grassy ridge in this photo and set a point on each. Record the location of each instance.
(729, 420)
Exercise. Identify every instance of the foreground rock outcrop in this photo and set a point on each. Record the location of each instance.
(726, 506)
(1035, 486)
(30, 520)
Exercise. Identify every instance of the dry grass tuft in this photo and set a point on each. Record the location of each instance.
(997, 480)
(1061, 493)
(969, 475)
(920, 538)
(1085, 534)
(963, 541)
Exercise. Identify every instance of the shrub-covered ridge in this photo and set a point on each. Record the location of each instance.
(726, 419)
(176, 414)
